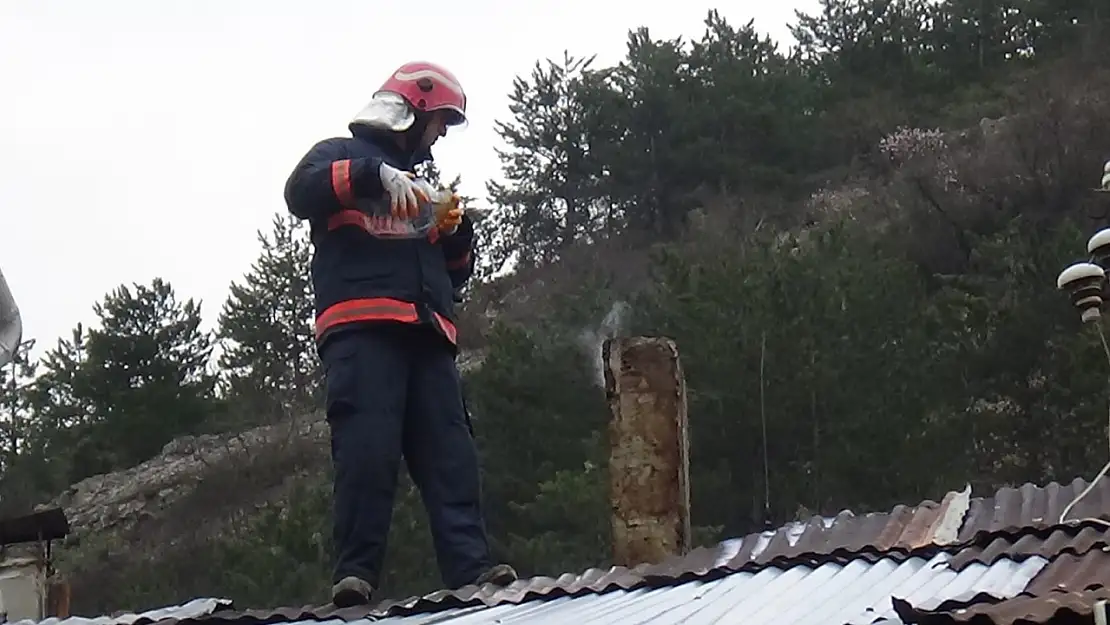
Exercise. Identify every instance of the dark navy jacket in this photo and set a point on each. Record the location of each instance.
(357, 277)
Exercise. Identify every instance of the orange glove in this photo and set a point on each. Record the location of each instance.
(450, 219)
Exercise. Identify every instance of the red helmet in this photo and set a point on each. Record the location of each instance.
(428, 87)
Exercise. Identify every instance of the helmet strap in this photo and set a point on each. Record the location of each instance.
(415, 133)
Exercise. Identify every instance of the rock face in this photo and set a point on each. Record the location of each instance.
(117, 501)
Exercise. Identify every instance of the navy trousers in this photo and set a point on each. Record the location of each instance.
(393, 390)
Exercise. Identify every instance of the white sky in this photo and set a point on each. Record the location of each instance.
(144, 138)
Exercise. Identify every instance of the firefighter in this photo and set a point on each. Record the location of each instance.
(385, 333)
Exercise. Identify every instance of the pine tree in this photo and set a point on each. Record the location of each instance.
(269, 360)
(27, 477)
(546, 202)
(16, 379)
(112, 397)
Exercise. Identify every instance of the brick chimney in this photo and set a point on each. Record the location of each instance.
(649, 468)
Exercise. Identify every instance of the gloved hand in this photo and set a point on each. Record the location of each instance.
(449, 222)
(404, 195)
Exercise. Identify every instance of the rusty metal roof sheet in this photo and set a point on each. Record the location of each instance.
(1074, 573)
(1023, 609)
(1068, 585)
(858, 593)
(958, 520)
(1078, 539)
(1014, 525)
(903, 530)
(1031, 506)
(592, 582)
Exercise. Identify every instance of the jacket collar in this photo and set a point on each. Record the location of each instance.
(384, 141)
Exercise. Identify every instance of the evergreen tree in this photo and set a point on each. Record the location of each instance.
(546, 203)
(268, 359)
(16, 379)
(115, 395)
(24, 475)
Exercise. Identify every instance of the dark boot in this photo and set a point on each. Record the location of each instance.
(351, 591)
(499, 575)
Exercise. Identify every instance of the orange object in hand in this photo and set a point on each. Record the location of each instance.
(449, 214)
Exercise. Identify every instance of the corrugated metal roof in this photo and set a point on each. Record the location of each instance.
(1074, 572)
(1077, 539)
(1068, 585)
(858, 593)
(194, 609)
(961, 535)
(1032, 506)
(846, 539)
(592, 582)
(1055, 607)
(957, 520)
(902, 530)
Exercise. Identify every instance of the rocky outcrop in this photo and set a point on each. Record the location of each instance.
(117, 501)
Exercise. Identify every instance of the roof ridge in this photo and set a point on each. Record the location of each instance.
(979, 539)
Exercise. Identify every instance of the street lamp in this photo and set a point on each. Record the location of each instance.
(1086, 283)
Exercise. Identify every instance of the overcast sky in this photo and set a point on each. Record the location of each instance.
(144, 138)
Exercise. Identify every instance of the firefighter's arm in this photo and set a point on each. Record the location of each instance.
(327, 181)
(459, 252)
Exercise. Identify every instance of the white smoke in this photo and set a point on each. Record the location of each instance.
(591, 339)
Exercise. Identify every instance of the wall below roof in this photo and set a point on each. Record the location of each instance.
(22, 589)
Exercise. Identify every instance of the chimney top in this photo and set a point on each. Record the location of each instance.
(649, 464)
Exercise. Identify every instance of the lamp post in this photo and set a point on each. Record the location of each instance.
(1086, 281)
(1086, 284)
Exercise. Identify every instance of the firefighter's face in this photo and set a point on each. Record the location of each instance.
(437, 127)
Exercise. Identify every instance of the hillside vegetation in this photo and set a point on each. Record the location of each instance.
(854, 243)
